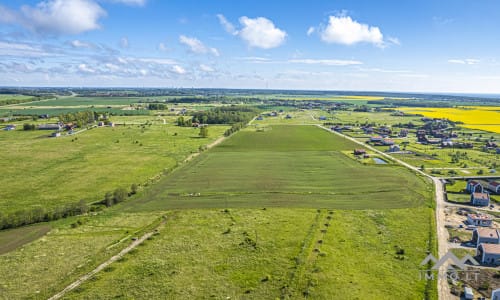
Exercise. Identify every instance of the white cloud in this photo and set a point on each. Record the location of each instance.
(61, 16)
(326, 62)
(261, 33)
(467, 61)
(162, 47)
(228, 26)
(311, 30)
(394, 41)
(124, 42)
(196, 46)
(86, 69)
(206, 68)
(346, 31)
(80, 44)
(178, 70)
(21, 50)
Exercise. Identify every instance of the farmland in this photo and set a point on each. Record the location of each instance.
(86, 166)
(293, 166)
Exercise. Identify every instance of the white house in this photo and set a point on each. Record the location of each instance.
(468, 294)
(479, 220)
(480, 199)
(489, 254)
(494, 187)
(474, 186)
(486, 236)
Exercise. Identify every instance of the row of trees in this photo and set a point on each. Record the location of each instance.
(80, 118)
(225, 115)
(156, 106)
(119, 195)
(36, 215)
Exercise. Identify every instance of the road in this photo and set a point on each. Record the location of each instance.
(442, 233)
(105, 264)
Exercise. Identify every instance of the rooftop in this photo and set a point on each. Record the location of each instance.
(491, 248)
(481, 196)
(487, 233)
(479, 217)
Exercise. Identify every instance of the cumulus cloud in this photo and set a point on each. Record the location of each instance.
(206, 68)
(85, 68)
(326, 62)
(228, 26)
(196, 46)
(344, 30)
(261, 33)
(81, 44)
(311, 30)
(467, 61)
(178, 70)
(58, 16)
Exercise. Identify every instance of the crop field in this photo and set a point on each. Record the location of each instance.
(73, 247)
(291, 166)
(475, 117)
(275, 253)
(50, 172)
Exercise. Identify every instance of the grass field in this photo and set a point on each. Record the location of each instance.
(291, 166)
(13, 238)
(275, 253)
(50, 172)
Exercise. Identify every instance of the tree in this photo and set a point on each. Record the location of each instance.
(133, 189)
(108, 199)
(203, 132)
(119, 195)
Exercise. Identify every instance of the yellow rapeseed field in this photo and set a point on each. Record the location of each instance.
(485, 118)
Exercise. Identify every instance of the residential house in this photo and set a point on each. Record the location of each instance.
(495, 295)
(376, 139)
(474, 187)
(498, 150)
(111, 124)
(403, 132)
(494, 186)
(489, 254)
(387, 142)
(55, 134)
(480, 199)
(394, 148)
(479, 220)
(49, 127)
(322, 118)
(10, 127)
(468, 293)
(486, 236)
(359, 151)
(289, 117)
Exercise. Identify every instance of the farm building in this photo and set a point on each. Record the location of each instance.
(474, 187)
(49, 127)
(480, 199)
(495, 295)
(359, 151)
(486, 236)
(479, 220)
(494, 187)
(394, 148)
(489, 253)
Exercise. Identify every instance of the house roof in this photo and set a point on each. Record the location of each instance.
(479, 217)
(473, 182)
(490, 248)
(487, 233)
(481, 196)
(494, 183)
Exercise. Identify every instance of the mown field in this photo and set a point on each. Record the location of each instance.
(50, 172)
(291, 166)
(276, 253)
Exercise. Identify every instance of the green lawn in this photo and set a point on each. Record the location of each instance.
(272, 254)
(292, 166)
(50, 172)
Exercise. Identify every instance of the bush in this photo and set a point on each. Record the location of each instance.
(120, 194)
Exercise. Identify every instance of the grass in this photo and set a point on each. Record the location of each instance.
(43, 267)
(269, 254)
(50, 172)
(14, 238)
(292, 166)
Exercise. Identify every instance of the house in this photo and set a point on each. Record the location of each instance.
(387, 142)
(498, 150)
(480, 199)
(359, 151)
(10, 127)
(260, 118)
(376, 139)
(394, 148)
(289, 117)
(49, 127)
(403, 132)
(474, 187)
(495, 295)
(489, 254)
(55, 134)
(486, 236)
(100, 124)
(368, 130)
(468, 294)
(494, 187)
(479, 220)
(322, 118)
(111, 124)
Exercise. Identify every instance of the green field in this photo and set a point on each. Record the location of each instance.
(50, 172)
(274, 254)
(291, 166)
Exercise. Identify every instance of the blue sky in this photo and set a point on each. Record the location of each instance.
(414, 46)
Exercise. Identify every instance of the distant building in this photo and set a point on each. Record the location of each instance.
(387, 142)
(394, 148)
(480, 199)
(486, 236)
(495, 295)
(359, 151)
(49, 127)
(403, 133)
(468, 294)
(111, 124)
(55, 134)
(489, 254)
(289, 117)
(494, 187)
(474, 187)
(479, 220)
(322, 118)
(376, 139)
(10, 127)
